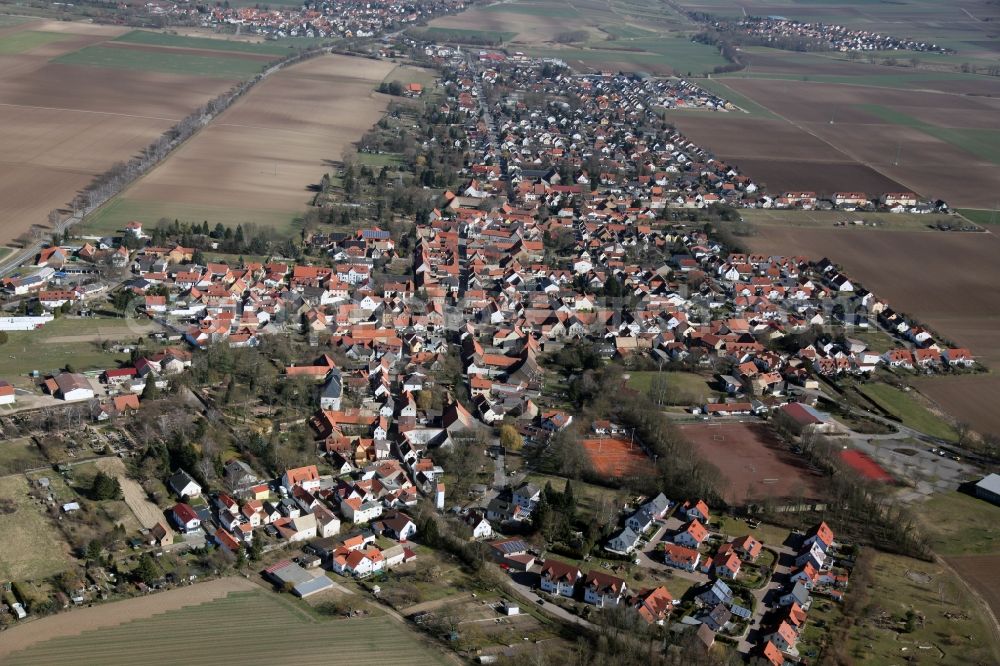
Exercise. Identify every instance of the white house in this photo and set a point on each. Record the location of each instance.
(603, 590)
(183, 485)
(357, 511)
(559, 578)
(623, 542)
(185, 517)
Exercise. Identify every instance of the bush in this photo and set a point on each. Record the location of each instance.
(105, 487)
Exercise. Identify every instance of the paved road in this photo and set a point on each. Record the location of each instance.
(525, 591)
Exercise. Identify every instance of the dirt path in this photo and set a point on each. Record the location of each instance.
(433, 605)
(113, 614)
(147, 513)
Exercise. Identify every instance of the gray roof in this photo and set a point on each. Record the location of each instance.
(334, 385)
(658, 504)
(990, 483)
(317, 584)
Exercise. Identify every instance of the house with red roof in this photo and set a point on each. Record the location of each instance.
(680, 557)
(603, 590)
(559, 577)
(654, 605)
(692, 535)
(185, 517)
(307, 477)
(747, 547)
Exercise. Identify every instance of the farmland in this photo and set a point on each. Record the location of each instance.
(961, 308)
(980, 572)
(32, 548)
(62, 121)
(221, 66)
(253, 164)
(753, 461)
(153, 640)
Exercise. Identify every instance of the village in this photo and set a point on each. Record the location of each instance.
(388, 402)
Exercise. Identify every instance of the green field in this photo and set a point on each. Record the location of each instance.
(676, 52)
(462, 34)
(224, 67)
(112, 217)
(959, 524)
(550, 10)
(625, 31)
(691, 387)
(984, 143)
(591, 500)
(32, 547)
(179, 41)
(17, 455)
(47, 350)
(979, 216)
(271, 630)
(6, 20)
(20, 42)
(906, 407)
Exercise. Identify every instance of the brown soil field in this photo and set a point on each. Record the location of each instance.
(980, 572)
(804, 131)
(111, 615)
(61, 125)
(785, 174)
(946, 280)
(969, 398)
(754, 462)
(265, 151)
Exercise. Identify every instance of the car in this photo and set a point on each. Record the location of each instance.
(540, 602)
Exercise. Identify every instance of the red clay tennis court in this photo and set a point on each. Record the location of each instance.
(617, 458)
(863, 464)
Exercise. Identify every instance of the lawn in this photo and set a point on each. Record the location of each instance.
(17, 455)
(19, 42)
(979, 216)
(827, 218)
(163, 61)
(676, 52)
(907, 408)
(377, 161)
(32, 547)
(959, 524)
(275, 48)
(283, 629)
(984, 143)
(901, 584)
(112, 217)
(686, 387)
(51, 347)
(552, 10)
(591, 501)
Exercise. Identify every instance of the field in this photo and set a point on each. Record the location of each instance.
(62, 122)
(812, 219)
(66, 340)
(275, 48)
(754, 463)
(954, 631)
(289, 630)
(254, 163)
(863, 464)
(630, 36)
(19, 42)
(32, 548)
(980, 572)
(617, 458)
(908, 269)
(686, 388)
(960, 524)
(832, 121)
(17, 455)
(596, 502)
(465, 35)
(909, 410)
(162, 60)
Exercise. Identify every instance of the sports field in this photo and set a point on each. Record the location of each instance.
(617, 458)
(754, 462)
(863, 464)
(266, 628)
